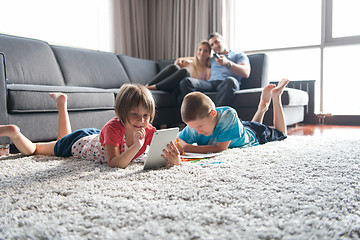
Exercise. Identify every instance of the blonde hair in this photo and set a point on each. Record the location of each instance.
(196, 65)
(195, 106)
(131, 96)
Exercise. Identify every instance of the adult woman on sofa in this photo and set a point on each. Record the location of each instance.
(168, 79)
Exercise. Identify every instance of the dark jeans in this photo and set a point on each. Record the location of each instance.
(264, 133)
(225, 88)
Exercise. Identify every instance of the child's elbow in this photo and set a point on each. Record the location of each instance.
(114, 164)
(222, 147)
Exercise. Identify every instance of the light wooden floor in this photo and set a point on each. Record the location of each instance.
(323, 130)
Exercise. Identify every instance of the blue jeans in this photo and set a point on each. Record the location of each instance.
(225, 88)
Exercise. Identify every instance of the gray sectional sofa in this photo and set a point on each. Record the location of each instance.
(30, 69)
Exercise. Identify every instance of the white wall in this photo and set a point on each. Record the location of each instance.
(76, 23)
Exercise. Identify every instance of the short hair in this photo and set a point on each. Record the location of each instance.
(215, 34)
(195, 106)
(131, 96)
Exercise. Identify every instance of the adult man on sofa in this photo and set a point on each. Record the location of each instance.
(227, 70)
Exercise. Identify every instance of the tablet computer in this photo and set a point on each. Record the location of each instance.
(158, 143)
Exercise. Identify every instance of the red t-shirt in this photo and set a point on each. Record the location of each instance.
(113, 134)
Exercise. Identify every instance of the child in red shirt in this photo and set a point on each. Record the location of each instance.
(122, 140)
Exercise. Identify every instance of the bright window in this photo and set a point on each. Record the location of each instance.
(289, 32)
(298, 64)
(294, 64)
(346, 18)
(80, 23)
(264, 24)
(342, 80)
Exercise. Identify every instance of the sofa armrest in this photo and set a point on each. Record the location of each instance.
(309, 87)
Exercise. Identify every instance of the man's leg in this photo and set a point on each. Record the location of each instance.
(188, 85)
(226, 91)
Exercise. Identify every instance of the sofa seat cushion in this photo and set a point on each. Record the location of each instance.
(165, 99)
(23, 98)
(89, 68)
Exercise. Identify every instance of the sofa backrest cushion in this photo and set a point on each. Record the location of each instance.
(139, 70)
(164, 63)
(30, 61)
(259, 72)
(90, 68)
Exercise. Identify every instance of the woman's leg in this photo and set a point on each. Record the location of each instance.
(172, 82)
(163, 74)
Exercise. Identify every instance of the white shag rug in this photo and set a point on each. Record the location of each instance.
(300, 188)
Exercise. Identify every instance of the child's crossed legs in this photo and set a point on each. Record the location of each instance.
(272, 92)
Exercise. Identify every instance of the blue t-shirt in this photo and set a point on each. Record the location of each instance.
(228, 128)
(219, 72)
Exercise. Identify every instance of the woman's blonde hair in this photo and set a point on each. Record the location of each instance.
(196, 65)
(131, 96)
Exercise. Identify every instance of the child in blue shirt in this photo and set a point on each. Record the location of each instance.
(217, 129)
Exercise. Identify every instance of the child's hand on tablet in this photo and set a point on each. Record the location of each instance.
(172, 154)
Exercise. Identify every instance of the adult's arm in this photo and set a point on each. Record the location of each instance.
(241, 69)
(183, 62)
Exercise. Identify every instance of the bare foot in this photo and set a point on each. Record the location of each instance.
(266, 97)
(279, 89)
(59, 98)
(9, 130)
